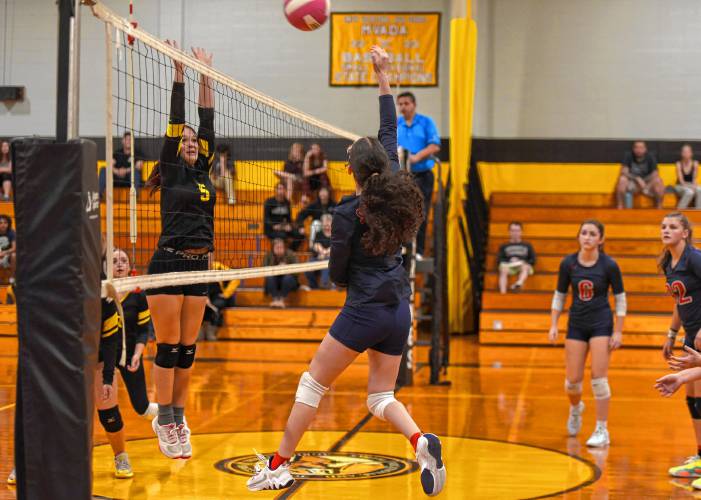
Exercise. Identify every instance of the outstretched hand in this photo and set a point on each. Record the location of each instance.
(202, 55)
(178, 65)
(380, 59)
(668, 385)
(691, 359)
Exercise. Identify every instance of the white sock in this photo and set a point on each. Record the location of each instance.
(601, 424)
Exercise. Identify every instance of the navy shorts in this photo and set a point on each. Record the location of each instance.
(381, 328)
(689, 338)
(172, 261)
(584, 334)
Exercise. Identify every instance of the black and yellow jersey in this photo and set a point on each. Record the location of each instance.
(187, 193)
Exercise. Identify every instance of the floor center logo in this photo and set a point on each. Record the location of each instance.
(323, 465)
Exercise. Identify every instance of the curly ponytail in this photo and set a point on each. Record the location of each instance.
(391, 206)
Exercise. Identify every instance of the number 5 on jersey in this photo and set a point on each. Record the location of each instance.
(204, 192)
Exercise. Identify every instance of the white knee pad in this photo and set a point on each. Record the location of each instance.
(309, 391)
(378, 402)
(600, 388)
(573, 389)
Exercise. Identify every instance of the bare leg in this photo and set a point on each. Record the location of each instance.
(600, 356)
(503, 279)
(383, 378)
(116, 439)
(575, 358)
(7, 188)
(165, 312)
(621, 188)
(330, 360)
(523, 274)
(190, 320)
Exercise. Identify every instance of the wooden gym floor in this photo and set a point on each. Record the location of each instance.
(502, 423)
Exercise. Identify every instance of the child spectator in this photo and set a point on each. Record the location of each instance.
(515, 258)
(324, 204)
(223, 172)
(321, 250)
(279, 287)
(5, 170)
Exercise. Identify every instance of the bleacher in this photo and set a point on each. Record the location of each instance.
(551, 221)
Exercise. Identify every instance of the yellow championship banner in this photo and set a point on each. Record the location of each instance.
(411, 39)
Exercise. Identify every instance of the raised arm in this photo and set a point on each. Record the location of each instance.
(176, 122)
(205, 108)
(388, 112)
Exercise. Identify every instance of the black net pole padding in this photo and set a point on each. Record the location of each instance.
(57, 212)
(440, 340)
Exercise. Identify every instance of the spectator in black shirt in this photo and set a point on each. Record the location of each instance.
(277, 218)
(293, 172)
(639, 175)
(515, 258)
(121, 166)
(321, 250)
(7, 243)
(324, 204)
(5, 170)
(279, 287)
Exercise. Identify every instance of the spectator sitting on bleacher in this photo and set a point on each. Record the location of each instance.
(223, 172)
(5, 170)
(639, 175)
(687, 178)
(279, 287)
(220, 295)
(293, 172)
(277, 218)
(7, 244)
(315, 170)
(515, 258)
(121, 166)
(321, 250)
(324, 204)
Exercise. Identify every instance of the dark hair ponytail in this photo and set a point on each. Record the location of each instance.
(391, 206)
(598, 225)
(666, 256)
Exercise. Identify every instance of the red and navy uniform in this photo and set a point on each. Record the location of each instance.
(376, 313)
(590, 314)
(684, 284)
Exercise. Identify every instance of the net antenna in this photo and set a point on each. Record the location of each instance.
(259, 127)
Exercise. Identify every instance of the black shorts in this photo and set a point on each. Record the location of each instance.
(584, 334)
(173, 261)
(5, 177)
(382, 328)
(689, 337)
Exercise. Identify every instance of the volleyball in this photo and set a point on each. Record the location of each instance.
(307, 15)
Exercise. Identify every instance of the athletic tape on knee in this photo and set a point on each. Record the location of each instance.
(186, 356)
(379, 401)
(573, 389)
(111, 419)
(693, 407)
(600, 388)
(309, 391)
(167, 355)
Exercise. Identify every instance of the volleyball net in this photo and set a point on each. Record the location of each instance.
(263, 156)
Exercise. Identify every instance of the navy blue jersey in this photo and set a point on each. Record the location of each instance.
(684, 284)
(590, 285)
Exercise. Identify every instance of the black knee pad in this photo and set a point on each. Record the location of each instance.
(167, 355)
(694, 407)
(111, 419)
(187, 356)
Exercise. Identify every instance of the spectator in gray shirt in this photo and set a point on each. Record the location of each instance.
(639, 175)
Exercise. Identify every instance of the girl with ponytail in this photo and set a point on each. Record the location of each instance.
(367, 233)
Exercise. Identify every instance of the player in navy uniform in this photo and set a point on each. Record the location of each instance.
(591, 326)
(367, 233)
(681, 264)
(187, 238)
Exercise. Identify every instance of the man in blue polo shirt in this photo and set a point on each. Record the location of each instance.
(418, 135)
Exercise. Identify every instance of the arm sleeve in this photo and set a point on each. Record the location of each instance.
(388, 129)
(143, 321)
(563, 276)
(341, 238)
(432, 136)
(205, 135)
(615, 277)
(531, 255)
(653, 163)
(174, 132)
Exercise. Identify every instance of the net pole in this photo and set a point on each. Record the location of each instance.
(109, 198)
(74, 73)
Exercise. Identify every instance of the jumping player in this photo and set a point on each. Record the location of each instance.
(681, 264)
(591, 327)
(367, 233)
(187, 238)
